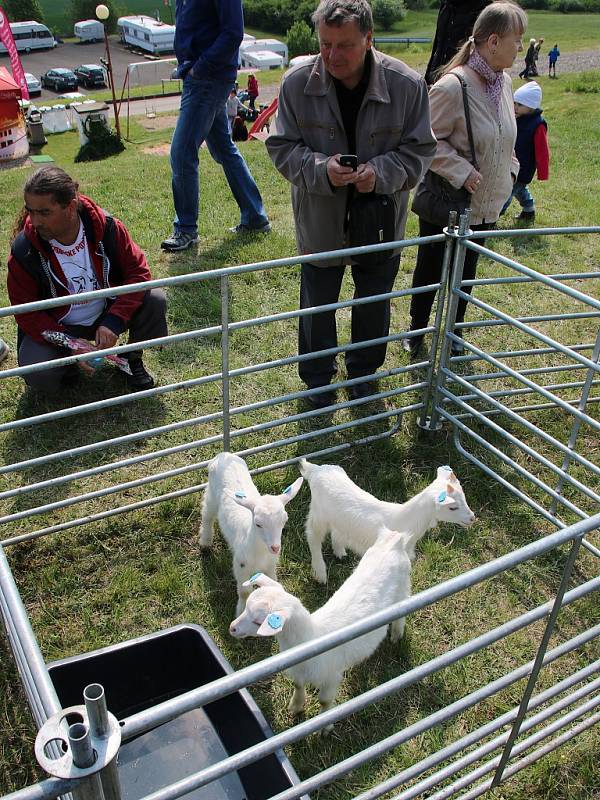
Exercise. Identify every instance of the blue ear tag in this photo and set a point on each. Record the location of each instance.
(441, 497)
(288, 490)
(255, 577)
(240, 494)
(447, 468)
(274, 621)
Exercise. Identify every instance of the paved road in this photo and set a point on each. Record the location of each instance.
(70, 55)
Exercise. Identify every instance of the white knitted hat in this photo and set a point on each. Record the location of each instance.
(530, 95)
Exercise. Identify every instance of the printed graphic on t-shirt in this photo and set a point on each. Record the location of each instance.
(78, 269)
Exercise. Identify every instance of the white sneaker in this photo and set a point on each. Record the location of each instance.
(179, 241)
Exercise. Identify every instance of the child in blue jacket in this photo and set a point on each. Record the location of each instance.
(531, 148)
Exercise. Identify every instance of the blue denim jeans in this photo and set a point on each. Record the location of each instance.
(203, 117)
(523, 195)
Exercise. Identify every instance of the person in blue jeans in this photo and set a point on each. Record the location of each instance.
(207, 38)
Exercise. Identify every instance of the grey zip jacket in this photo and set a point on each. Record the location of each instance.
(393, 134)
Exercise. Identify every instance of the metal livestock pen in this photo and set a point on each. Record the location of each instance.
(494, 402)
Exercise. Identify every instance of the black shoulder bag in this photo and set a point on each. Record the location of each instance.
(435, 197)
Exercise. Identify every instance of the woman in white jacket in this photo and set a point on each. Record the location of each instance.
(481, 62)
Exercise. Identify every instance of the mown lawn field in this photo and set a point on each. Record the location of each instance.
(140, 572)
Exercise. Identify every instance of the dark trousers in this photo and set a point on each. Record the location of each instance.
(429, 270)
(320, 286)
(148, 322)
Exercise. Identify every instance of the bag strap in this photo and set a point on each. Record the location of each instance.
(465, 95)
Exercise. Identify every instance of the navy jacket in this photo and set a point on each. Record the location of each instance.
(207, 37)
(524, 147)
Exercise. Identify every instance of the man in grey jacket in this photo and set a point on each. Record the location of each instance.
(350, 99)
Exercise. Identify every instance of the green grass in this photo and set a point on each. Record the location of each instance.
(137, 573)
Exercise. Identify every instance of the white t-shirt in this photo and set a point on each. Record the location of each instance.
(77, 266)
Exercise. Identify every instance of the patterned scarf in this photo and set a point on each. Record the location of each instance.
(493, 80)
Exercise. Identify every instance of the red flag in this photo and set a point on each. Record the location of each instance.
(8, 41)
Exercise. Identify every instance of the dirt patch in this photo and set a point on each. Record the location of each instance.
(157, 150)
(158, 123)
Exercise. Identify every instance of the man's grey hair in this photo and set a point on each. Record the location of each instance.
(340, 12)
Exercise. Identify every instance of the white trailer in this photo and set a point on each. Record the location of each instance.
(261, 59)
(145, 33)
(30, 35)
(273, 45)
(89, 30)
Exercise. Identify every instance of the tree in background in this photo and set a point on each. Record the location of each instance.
(86, 9)
(386, 12)
(20, 10)
(301, 40)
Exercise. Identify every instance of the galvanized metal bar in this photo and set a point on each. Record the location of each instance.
(193, 489)
(515, 233)
(97, 712)
(514, 440)
(576, 424)
(332, 773)
(225, 361)
(533, 407)
(441, 302)
(535, 351)
(468, 779)
(194, 277)
(532, 385)
(558, 276)
(533, 332)
(167, 710)
(552, 387)
(472, 738)
(539, 660)
(538, 276)
(83, 756)
(514, 416)
(24, 632)
(450, 320)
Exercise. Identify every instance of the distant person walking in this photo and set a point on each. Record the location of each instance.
(252, 90)
(529, 61)
(207, 39)
(234, 106)
(552, 59)
(536, 54)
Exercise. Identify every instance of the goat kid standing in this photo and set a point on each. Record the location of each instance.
(251, 523)
(354, 517)
(381, 579)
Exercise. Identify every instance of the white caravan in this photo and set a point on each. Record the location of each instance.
(89, 30)
(273, 45)
(146, 33)
(261, 59)
(30, 35)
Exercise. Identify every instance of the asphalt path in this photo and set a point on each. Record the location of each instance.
(71, 54)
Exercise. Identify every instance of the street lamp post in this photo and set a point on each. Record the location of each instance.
(102, 13)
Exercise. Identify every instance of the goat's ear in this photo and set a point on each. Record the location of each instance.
(273, 623)
(259, 579)
(450, 487)
(242, 499)
(445, 473)
(291, 491)
(442, 499)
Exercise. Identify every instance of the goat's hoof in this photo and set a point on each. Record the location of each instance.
(294, 710)
(320, 575)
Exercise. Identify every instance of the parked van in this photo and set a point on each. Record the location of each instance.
(146, 33)
(89, 30)
(272, 45)
(262, 59)
(30, 35)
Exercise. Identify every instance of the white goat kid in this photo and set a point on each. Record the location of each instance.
(250, 523)
(381, 579)
(354, 516)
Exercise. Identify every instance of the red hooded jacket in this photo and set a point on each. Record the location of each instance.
(26, 285)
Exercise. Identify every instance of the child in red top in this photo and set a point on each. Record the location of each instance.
(252, 90)
(531, 147)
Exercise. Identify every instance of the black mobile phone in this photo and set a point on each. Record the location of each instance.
(349, 161)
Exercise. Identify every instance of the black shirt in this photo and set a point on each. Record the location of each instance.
(350, 101)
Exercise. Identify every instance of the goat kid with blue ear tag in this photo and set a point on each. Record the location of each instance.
(251, 523)
(381, 579)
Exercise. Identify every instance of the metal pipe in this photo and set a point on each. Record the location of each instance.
(97, 712)
(225, 360)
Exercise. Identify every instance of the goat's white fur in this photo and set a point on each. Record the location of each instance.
(381, 579)
(250, 523)
(354, 516)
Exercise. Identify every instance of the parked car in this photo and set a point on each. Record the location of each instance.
(90, 75)
(33, 84)
(59, 79)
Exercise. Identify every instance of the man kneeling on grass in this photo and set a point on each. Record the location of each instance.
(66, 245)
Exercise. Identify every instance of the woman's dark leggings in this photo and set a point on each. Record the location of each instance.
(429, 270)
